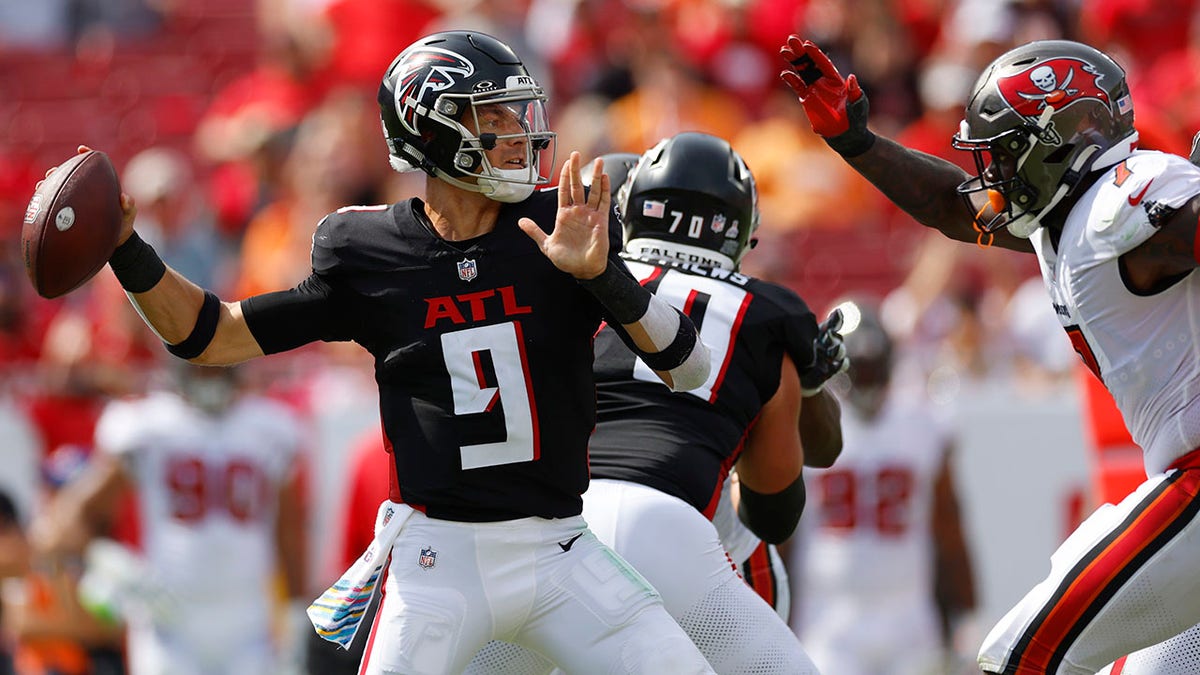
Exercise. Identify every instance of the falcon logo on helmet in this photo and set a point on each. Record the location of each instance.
(429, 70)
(435, 99)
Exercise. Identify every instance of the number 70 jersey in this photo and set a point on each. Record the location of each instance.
(684, 443)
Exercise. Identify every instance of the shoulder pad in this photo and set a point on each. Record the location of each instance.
(1136, 195)
(359, 238)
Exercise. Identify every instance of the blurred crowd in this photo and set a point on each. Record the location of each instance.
(238, 125)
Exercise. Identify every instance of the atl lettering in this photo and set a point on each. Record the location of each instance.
(473, 307)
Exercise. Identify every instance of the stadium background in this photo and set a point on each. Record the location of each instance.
(239, 123)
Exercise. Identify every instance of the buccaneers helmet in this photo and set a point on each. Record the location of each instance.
(690, 198)
(450, 98)
(1040, 118)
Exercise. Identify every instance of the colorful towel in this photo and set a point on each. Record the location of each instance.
(338, 612)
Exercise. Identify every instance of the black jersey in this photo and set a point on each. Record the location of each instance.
(483, 354)
(684, 443)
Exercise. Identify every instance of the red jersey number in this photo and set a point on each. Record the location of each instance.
(196, 491)
(880, 500)
(1080, 343)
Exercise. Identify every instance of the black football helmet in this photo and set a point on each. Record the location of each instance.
(1040, 118)
(690, 198)
(451, 97)
(617, 165)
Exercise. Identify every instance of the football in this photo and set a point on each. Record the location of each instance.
(71, 224)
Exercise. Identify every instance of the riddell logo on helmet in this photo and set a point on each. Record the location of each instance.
(1056, 82)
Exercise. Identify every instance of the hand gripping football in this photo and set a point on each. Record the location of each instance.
(72, 224)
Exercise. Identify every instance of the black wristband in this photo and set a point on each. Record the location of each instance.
(136, 265)
(204, 330)
(858, 139)
(624, 298)
(676, 352)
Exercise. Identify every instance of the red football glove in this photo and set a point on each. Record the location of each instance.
(836, 108)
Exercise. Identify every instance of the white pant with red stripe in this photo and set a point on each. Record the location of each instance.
(1126, 579)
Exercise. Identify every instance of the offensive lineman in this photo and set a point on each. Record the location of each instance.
(659, 459)
(1051, 127)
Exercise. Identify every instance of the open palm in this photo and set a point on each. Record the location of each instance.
(579, 243)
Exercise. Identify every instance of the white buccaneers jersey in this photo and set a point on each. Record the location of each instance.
(207, 489)
(867, 523)
(1142, 346)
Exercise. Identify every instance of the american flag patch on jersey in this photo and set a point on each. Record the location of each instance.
(336, 615)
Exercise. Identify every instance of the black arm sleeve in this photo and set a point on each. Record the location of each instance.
(309, 312)
(772, 517)
(625, 299)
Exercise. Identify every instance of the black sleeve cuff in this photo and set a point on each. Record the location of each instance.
(772, 517)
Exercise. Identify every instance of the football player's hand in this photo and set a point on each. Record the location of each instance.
(836, 108)
(829, 355)
(579, 243)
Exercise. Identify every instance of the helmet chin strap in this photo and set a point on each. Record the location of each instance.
(1027, 224)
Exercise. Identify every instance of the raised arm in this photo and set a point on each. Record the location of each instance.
(194, 323)
(922, 185)
(663, 337)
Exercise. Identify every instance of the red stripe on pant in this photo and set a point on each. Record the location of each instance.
(760, 575)
(366, 657)
(1078, 597)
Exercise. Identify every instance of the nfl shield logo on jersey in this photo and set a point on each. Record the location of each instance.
(467, 270)
(427, 558)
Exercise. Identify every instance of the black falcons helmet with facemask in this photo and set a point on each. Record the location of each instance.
(449, 98)
(690, 198)
(1040, 118)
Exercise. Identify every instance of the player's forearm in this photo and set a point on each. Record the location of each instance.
(291, 539)
(821, 429)
(664, 338)
(923, 185)
(194, 323)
